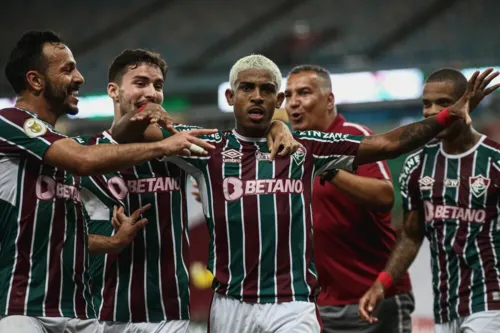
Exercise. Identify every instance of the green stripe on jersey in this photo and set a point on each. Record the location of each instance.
(478, 289)
(267, 203)
(297, 237)
(450, 198)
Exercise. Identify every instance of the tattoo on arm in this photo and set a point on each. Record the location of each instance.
(407, 246)
(399, 141)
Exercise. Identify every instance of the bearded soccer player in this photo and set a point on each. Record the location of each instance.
(451, 194)
(258, 210)
(145, 288)
(353, 236)
(44, 278)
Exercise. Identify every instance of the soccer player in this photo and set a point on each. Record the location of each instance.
(258, 210)
(145, 288)
(44, 278)
(353, 236)
(451, 194)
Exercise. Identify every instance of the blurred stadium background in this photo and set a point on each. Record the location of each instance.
(379, 54)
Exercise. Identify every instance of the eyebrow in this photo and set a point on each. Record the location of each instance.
(146, 78)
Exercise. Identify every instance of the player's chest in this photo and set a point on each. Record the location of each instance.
(153, 177)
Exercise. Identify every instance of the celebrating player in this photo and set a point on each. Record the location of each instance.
(258, 210)
(44, 279)
(144, 288)
(451, 194)
(353, 236)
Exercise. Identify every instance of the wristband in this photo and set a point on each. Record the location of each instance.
(142, 108)
(386, 280)
(444, 118)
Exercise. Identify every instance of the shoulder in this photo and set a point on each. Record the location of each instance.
(355, 129)
(15, 117)
(411, 163)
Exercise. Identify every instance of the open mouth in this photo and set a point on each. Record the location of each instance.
(296, 116)
(73, 94)
(256, 114)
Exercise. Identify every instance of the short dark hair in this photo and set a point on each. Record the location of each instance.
(451, 75)
(132, 58)
(322, 72)
(28, 55)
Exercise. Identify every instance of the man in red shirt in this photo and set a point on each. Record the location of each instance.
(353, 236)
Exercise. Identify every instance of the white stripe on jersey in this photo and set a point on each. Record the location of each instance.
(35, 224)
(290, 222)
(260, 226)
(9, 169)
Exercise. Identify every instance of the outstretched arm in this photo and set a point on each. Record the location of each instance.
(399, 141)
(100, 159)
(401, 258)
(410, 137)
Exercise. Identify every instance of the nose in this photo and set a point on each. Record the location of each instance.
(150, 92)
(257, 97)
(79, 78)
(292, 101)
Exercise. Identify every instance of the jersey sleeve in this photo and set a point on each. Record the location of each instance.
(408, 181)
(195, 162)
(330, 150)
(22, 133)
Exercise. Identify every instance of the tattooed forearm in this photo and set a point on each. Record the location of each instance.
(415, 135)
(407, 246)
(397, 142)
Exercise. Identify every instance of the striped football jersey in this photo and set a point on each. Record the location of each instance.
(460, 197)
(43, 235)
(148, 281)
(259, 212)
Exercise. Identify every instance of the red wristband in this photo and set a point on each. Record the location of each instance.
(386, 280)
(444, 118)
(142, 108)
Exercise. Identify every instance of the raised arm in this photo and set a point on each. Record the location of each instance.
(407, 138)
(100, 159)
(141, 125)
(402, 256)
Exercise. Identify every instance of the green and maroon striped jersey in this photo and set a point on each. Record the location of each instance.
(259, 212)
(460, 196)
(148, 281)
(43, 235)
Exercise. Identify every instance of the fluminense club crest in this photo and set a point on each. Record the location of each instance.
(479, 185)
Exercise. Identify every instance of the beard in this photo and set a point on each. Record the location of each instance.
(57, 97)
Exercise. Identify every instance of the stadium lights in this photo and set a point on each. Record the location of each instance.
(369, 87)
(349, 88)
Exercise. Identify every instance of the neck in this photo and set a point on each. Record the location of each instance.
(38, 106)
(462, 142)
(259, 132)
(329, 119)
(118, 115)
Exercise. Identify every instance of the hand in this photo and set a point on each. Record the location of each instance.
(196, 194)
(181, 143)
(480, 92)
(369, 302)
(127, 226)
(155, 114)
(475, 92)
(280, 140)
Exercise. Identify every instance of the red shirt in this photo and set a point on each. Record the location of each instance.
(352, 243)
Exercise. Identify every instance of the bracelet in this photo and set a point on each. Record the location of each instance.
(386, 280)
(142, 108)
(444, 118)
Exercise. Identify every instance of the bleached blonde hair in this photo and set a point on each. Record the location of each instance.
(255, 61)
